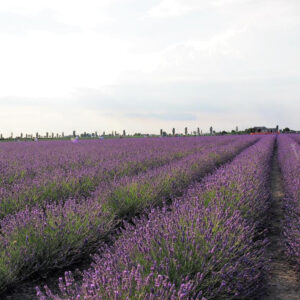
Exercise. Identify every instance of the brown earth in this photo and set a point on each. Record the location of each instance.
(282, 280)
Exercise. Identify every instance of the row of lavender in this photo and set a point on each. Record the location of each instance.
(41, 238)
(33, 173)
(24, 160)
(289, 161)
(296, 137)
(131, 195)
(206, 245)
(105, 176)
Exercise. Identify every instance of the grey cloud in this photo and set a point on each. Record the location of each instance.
(154, 97)
(274, 100)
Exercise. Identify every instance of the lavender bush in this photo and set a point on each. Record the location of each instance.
(130, 195)
(289, 161)
(40, 238)
(207, 245)
(53, 171)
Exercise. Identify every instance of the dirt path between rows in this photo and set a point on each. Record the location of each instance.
(282, 281)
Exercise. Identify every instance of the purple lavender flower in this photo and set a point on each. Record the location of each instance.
(206, 245)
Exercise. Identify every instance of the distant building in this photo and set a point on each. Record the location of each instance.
(264, 129)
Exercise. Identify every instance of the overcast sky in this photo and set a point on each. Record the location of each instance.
(144, 65)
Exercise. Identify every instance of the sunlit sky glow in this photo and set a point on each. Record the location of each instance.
(144, 65)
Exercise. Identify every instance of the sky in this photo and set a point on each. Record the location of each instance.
(143, 65)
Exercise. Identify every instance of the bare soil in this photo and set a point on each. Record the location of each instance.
(282, 280)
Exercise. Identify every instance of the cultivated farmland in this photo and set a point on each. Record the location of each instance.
(154, 218)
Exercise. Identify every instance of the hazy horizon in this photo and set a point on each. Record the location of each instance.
(144, 65)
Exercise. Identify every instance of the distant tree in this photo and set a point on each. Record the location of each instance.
(286, 130)
(249, 130)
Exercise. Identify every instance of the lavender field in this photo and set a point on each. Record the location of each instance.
(154, 218)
